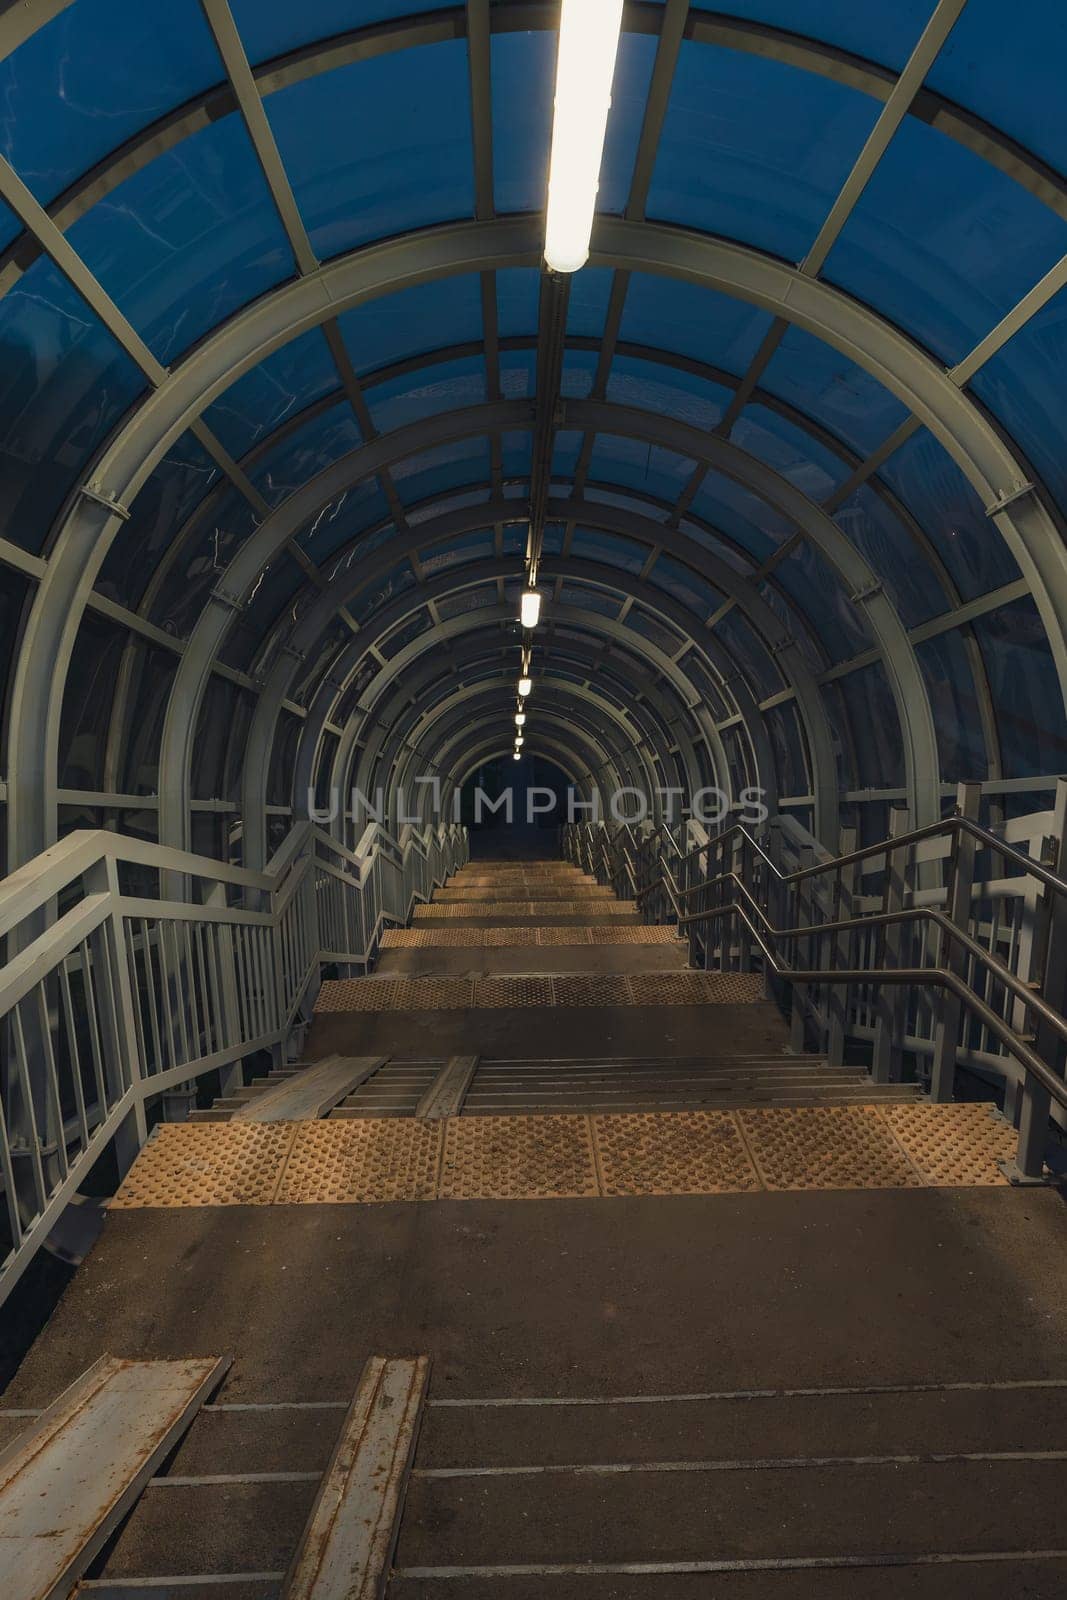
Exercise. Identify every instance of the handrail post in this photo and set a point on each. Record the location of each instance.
(887, 1064)
(840, 943)
(798, 1019)
(950, 955)
(1036, 1101)
(117, 1020)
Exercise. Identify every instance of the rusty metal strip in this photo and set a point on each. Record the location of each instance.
(67, 1481)
(351, 1532)
(446, 1094)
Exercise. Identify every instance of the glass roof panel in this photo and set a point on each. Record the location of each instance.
(957, 722)
(686, 586)
(523, 75)
(610, 549)
(691, 321)
(885, 33)
(167, 500)
(429, 316)
(444, 386)
(934, 490)
(876, 735)
(629, 94)
(517, 291)
(1023, 387)
(1008, 67)
(943, 243)
(1025, 690)
(204, 555)
(378, 147)
(654, 386)
(909, 580)
(741, 515)
(813, 586)
(802, 460)
(305, 451)
(361, 506)
(433, 472)
(787, 745)
(755, 150)
(100, 71)
(637, 465)
(64, 384)
(272, 27)
(456, 552)
(301, 372)
(748, 651)
(832, 390)
(579, 370)
(188, 240)
(587, 302)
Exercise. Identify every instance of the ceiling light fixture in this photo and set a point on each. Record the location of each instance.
(585, 66)
(530, 608)
(525, 685)
(520, 718)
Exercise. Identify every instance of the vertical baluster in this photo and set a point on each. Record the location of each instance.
(890, 1003)
(949, 952)
(800, 951)
(1036, 1101)
(67, 1003)
(841, 949)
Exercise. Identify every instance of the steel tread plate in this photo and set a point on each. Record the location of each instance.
(349, 1161)
(534, 989)
(523, 934)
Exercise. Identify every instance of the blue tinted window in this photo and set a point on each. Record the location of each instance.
(942, 243)
(64, 384)
(188, 240)
(587, 303)
(813, 586)
(305, 452)
(667, 314)
(1010, 71)
(741, 515)
(281, 386)
(456, 552)
(802, 460)
(579, 370)
(362, 505)
(429, 316)
(934, 490)
(1025, 690)
(954, 704)
(609, 549)
(629, 92)
(654, 386)
(517, 291)
(413, 395)
(523, 77)
(272, 27)
(636, 465)
(893, 556)
(1023, 387)
(379, 147)
(686, 586)
(755, 150)
(93, 77)
(875, 726)
(831, 389)
(433, 472)
(749, 653)
(205, 553)
(885, 33)
(787, 743)
(168, 499)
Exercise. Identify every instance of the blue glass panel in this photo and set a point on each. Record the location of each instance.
(362, 506)
(942, 243)
(167, 500)
(188, 240)
(840, 736)
(885, 33)
(697, 670)
(445, 386)
(815, 588)
(93, 77)
(787, 743)
(517, 292)
(523, 77)
(748, 652)
(884, 540)
(686, 586)
(801, 459)
(1023, 387)
(1009, 69)
(737, 559)
(301, 372)
(610, 549)
(305, 451)
(434, 472)
(430, 316)
(876, 736)
(407, 632)
(795, 626)
(206, 552)
(1025, 690)
(88, 695)
(277, 585)
(456, 552)
(513, 542)
(587, 305)
(831, 389)
(934, 490)
(586, 598)
(382, 592)
(629, 93)
(955, 707)
(273, 27)
(379, 147)
(441, 505)
(730, 166)
(668, 314)
(741, 515)
(64, 385)
(636, 465)
(518, 374)
(579, 370)
(565, 449)
(658, 633)
(642, 505)
(653, 386)
(516, 452)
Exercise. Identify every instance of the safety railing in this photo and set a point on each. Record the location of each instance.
(937, 948)
(132, 970)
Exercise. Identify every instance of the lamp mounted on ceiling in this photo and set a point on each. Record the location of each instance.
(530, 608)
(585, 66)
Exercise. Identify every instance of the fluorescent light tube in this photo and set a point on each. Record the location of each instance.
(585, 66)
(530, 608)
(525, 685)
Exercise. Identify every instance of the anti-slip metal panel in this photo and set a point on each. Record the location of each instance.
(518, 1158)
(688, 1152)
(353, 1161)
(954, 1144)
(531, 991)
(592, 989)
(826, 1147)
(208, 1164)
(695, 988)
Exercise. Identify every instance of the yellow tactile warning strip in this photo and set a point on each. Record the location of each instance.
(523, 908)
(493, 938)
(375, 1160)
(452, 994)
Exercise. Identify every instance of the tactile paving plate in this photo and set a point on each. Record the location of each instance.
(695, 988)
(518, 1158)
(581, 989)
(522, 908)
(954, 1144)
(362, 1161)
(688, 1152)
(826, 1147)
(531, 991)
(208, 1164)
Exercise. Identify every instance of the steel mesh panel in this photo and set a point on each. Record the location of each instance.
(656, 933)
(954, 1144)
(362, 1160)
(529, 991)
(208, 1164)
(695, 988)
(517, 1158)
(826, 1147)
(594, 989)
(686, 1152)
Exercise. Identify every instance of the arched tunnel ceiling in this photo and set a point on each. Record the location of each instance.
(282, 395)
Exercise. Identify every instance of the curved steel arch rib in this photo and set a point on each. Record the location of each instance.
(928, 390)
